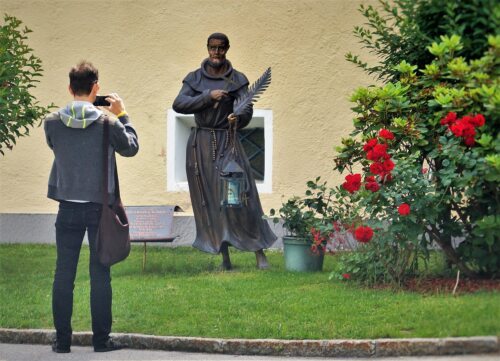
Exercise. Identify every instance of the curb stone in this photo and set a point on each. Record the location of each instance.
(273, 347)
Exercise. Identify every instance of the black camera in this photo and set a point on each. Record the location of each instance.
(100, 101)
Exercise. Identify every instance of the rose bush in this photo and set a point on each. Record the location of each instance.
(428, 146)
(425, 145)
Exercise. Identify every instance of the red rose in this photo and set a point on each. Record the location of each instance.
(370, 144)
(466, 119)
(382, 168)
(468, 130)
(372, 186)
(457, 129)
(376, 168)
(388, 165)
(370, 179)
(478, 120)
(450, 118)
(463, 128)
(404, 209)
(378, 152)
(353, 178)
(386, 134)
(346, 276)
(352, 183)
(469, 141)
(348, 187)
(363, 234)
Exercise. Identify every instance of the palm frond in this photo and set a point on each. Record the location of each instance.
(252, 94)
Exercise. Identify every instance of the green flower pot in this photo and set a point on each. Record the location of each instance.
(299, 257)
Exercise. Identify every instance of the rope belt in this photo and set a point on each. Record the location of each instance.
(214, 139)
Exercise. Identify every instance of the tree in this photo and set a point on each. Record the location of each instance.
(19, 72)
(403, 29)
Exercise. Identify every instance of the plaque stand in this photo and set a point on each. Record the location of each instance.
(151, 224)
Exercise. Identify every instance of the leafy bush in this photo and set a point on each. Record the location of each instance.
(426, 142)
(428, 145)
(317, 217)
(403, 29)
(19, 70)
(301, 214)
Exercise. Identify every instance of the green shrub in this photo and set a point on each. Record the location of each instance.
(403, 29)
(430, 142)
(19, 71)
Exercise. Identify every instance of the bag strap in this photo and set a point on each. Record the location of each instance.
(105, 165)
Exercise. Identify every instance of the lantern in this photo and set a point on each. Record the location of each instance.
(232, 185)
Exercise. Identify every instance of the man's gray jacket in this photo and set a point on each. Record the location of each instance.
(75, 134)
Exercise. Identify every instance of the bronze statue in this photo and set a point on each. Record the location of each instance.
(209, 92)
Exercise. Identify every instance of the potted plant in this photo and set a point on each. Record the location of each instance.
(304, 219)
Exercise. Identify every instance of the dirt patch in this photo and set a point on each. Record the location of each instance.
(446, 285)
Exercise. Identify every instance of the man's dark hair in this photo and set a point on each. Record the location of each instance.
(219, 36)
(82, 77)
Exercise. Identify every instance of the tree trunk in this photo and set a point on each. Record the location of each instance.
(450, 252)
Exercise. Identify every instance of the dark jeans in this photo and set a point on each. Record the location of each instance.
(73, 219)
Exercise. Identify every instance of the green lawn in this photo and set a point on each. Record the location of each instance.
(182, 293)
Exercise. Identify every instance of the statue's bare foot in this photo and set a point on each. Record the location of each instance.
(261, 259)
(226, 265)
(226, 261)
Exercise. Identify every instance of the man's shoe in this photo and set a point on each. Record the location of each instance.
(57, 348)
(109, 345)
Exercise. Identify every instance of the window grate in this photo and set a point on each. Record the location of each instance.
(253, 143)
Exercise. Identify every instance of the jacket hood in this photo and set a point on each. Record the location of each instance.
(79, 114)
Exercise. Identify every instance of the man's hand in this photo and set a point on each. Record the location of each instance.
(116, 104)
(232, 118)
(218, 94)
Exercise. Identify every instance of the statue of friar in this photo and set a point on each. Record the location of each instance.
(209, 92)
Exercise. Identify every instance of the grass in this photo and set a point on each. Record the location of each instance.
(183, 293)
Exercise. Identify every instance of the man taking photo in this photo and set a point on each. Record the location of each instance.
(75, 135)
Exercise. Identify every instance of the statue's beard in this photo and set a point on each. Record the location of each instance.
(217, 65)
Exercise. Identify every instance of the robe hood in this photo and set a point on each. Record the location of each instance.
(235, 80)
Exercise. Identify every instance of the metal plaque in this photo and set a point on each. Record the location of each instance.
(151, 223)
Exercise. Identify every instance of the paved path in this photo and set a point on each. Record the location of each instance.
(17, 352)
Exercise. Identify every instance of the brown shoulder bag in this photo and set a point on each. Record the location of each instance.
(113, 238)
